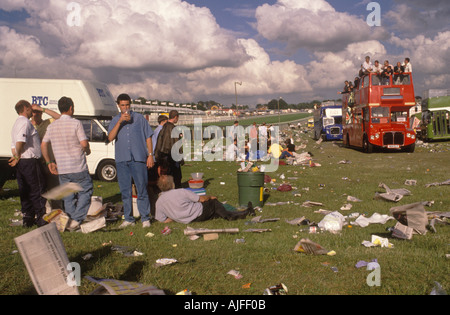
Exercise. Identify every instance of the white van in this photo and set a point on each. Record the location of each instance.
(94, 107)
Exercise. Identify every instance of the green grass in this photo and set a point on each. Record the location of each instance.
(410, 268)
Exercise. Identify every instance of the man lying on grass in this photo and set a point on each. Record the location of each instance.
(184, 206)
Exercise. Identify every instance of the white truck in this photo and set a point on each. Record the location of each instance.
(94, 107)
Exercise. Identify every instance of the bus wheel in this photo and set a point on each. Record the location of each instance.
(410, 148)
(367, 146)
(107, 171)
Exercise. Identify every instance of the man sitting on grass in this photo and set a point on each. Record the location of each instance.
(184, 206)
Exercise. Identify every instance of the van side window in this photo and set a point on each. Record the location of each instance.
(93, 131)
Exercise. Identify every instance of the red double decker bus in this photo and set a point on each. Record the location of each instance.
(377, 113)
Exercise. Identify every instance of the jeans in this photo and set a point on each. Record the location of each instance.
(77, 205)
(285, 154)
(126, 173)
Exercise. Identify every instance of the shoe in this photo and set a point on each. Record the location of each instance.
(126, 224)
(146, 224)
(73, 225)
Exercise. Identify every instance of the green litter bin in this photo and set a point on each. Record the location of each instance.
(251, 188)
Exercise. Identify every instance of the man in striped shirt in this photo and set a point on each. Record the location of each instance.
(70, 147)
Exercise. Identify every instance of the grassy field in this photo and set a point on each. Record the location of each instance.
(266, 259)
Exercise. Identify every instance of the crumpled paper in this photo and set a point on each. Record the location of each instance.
(363, 221)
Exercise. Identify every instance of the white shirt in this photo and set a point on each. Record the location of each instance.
(377, 69)
(23, 131)
(367, 65)
(408, 67)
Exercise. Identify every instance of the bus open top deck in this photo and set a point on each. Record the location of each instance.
(377, 113)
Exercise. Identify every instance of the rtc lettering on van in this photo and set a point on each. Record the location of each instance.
(39, 100)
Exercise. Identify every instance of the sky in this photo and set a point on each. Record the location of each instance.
(196, 50)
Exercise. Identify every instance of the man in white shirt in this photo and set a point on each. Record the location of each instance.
(407, 65)
(70, 147)
(26, 152)
(367, 66)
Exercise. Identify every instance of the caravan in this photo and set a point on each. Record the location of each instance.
(94, 107)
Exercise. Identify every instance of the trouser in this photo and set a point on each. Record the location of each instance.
(127, 172)
(31, 181)
(51, 181)
(213, 209)
(77, 205)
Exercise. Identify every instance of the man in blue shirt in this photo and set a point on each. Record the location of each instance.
(134, 156)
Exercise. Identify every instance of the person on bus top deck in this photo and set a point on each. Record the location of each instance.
(407, 65)
(346, 88)
(366, 67)
(387, 64)
(398, 72)
(356, 83)
(387, 72)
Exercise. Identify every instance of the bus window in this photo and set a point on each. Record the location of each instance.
(366, 81)
(376, 80)
(401, 79)
(399, 116)
(380, 115)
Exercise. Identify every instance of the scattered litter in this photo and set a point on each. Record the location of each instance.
(279, 289)
(332, 222)
(62, 191)
(257, 230)
(410, 182)
(125, 250)
(353, 199)
(118, 287)
(247, 285)
(363, 263)
(346, 207)
(93, 225)
(210, 236)
(166, 231)
(149, 234)
(165, 262)
(412, 215)
(191, 231)
(345, 162)
(309, 204)
(378, 241)
(239, 240)
(438, 289)
(60, 218)
(236, 274)
(402, 231)
(394, 195)
(363, 221)
(284, 187)
(184, 292)
(311, 230)
(309, 247)
(87, 257)
(297, 221)
(259, 220)
(447, 182)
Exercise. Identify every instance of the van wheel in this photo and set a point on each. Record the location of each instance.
(107, 171)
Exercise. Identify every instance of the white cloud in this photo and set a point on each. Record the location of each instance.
(313, 25)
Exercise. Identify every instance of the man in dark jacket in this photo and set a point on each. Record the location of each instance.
(164, 147)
